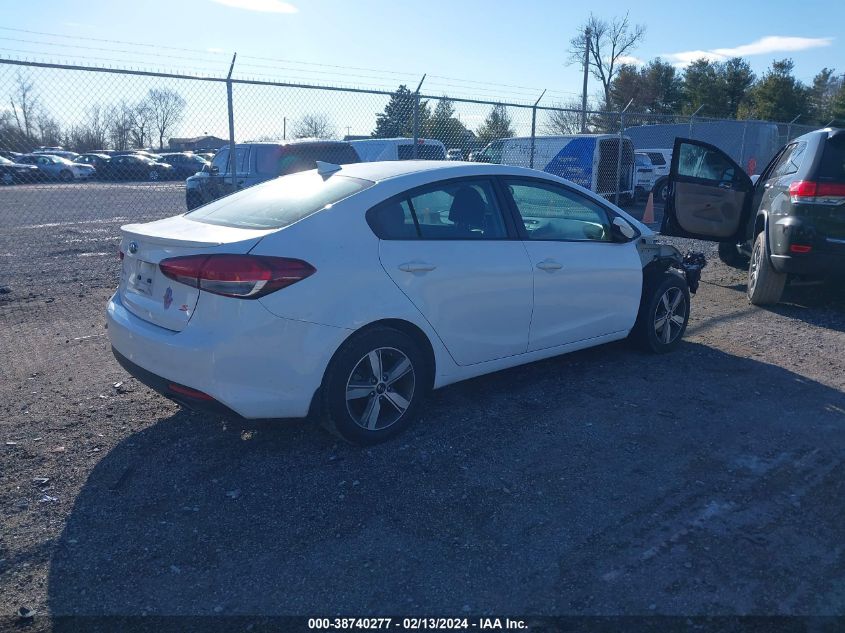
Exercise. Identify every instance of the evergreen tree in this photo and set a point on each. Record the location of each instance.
(497, 125)
(444, 126)
(397, 120)
(779, 96)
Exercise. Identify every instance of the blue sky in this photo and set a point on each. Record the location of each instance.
(496, 50)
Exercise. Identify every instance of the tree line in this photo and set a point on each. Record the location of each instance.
(719, 88)
(122, 125)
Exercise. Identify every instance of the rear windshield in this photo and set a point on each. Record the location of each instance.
(279, 203)
(832, 166)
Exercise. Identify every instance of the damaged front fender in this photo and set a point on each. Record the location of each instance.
(657, 257)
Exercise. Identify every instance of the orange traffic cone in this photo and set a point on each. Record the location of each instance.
(648, 214)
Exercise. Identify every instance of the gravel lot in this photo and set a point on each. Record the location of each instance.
(706, 482)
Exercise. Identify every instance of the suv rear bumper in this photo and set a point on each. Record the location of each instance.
(818, 264)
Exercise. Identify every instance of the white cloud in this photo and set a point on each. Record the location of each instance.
(630, 60)
(264, 6)
(763, 46)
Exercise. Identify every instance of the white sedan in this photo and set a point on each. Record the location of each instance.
(352, 292)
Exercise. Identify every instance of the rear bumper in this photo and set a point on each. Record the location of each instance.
(176, 392)
(251, 362)
(819, 264)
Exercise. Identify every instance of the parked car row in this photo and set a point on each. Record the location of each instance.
(43, 165)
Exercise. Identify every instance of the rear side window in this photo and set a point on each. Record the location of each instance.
(424, 152)
(832, 166)
(462, 210)
(280, 202)
(657, 158)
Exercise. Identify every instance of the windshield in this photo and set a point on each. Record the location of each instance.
(59, 159)
(280, 202)
(5, 161)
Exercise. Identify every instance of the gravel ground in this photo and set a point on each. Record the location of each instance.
(704, 482)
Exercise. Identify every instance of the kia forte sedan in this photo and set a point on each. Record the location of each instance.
(351, 292)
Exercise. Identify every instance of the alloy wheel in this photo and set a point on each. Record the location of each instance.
(754, 267)
(670, 315)
(380, 388)
(153, 175)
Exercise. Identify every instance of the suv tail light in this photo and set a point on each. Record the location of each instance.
(240, 276)
(817, 192)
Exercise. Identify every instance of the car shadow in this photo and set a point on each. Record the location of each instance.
(817, 303)
(606, 481)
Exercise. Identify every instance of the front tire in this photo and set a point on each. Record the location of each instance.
(374, 385)
(661, 192)
(765, 284)
(65, 176)
(664, 313)
(153, 176)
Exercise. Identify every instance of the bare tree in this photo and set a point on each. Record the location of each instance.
(142, 123)
(24, 104)
(609, 44)
(92, 132)
(49, 130)
(565, 119)
(314, 126)
(167, 107)
(121, 119)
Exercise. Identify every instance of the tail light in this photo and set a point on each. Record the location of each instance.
(240, 276)
(807, 191)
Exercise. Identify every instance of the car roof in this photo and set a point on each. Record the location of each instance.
(301, 141)
(828, 132)
(438, 169)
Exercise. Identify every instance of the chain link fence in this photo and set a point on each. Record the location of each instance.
(86, 150)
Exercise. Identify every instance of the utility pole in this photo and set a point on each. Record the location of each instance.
(587, 45)
(284, 128)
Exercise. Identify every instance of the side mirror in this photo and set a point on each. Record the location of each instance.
(622, 230)
(214, 170)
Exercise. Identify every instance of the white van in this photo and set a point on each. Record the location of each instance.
(589, 160)
(373, 149)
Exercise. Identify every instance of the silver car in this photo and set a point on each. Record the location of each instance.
(58, 168)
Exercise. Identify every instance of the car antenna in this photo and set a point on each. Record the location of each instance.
(327, 169)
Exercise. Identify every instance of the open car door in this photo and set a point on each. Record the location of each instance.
(709, 194)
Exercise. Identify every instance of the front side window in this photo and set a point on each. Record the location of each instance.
(696, 161)
(657, 158)
(552, 212)
(221, 160)
(460, 210)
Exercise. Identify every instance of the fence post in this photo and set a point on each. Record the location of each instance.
(534, 127)
(232, 152)
(692, 116)
(619, 152)
(417, 117)
(742, 149)
(789, 128)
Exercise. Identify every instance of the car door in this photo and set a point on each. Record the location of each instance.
(222, 182)
(586, 284)
(709, 194)
(449, 248)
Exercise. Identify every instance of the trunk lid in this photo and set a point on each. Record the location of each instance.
(145, 291)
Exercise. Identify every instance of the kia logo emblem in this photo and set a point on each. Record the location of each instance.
(133, 247)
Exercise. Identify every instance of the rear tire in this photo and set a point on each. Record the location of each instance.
(363, 408)
(765, 284)
(664, 313)
(730, 255)
(153, 176)
(661, 192)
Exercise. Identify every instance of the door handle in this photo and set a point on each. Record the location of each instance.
(549, 264)
(417, 267)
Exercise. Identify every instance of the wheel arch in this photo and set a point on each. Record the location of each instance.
(402, 325)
